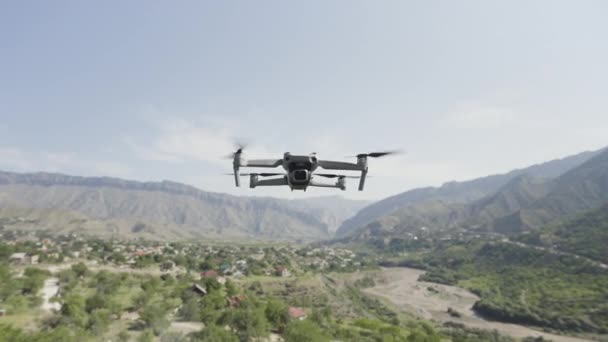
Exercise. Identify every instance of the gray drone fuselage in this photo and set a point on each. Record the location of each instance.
(299, 171)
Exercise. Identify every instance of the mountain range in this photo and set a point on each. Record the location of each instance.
(109, 206)
(521, 200)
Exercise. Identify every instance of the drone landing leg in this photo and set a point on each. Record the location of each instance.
(362, 179)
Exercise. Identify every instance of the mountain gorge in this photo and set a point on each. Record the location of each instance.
(106, 206)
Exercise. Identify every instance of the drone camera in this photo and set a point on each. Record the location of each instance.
(300, 175)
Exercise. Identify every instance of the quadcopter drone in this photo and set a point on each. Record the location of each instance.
(300, 170)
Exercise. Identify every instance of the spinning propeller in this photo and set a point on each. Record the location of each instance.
(377, 154)
(264, 174)
(330, 175)
(239, 149)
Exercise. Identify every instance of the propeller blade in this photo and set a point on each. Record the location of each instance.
(257, 174)
(330, 175)
(378, 154)
(239, 147)
(268, 174)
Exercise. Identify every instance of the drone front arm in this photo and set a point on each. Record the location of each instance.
(335, 165)
(263, 163)
(269, 182)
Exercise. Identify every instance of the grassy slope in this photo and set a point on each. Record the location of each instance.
(586, 235)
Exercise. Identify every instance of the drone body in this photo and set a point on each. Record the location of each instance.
(300, 170)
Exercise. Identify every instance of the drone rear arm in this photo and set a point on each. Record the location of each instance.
(335, 165)
(361, 165)
(239, 162)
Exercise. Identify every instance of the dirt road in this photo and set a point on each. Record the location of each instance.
(431, 301)
(49, 290)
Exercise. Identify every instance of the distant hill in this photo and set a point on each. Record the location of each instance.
(332, 210)
(106, 206)
(507, 203)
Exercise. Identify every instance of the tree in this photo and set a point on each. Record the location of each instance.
(304, 331)
(206, 265)
(276, 313)
(106, 282)
(212, 305)
(5, 251)
(118, 258)
(214, 333)
(211, 284)
(16, 303)
(424, 334)
(124, 336)
(97, 301)
(80, 269)
(154, 316)
(190, 310)
(9, 333)
(146, 336)
(231, 289)
(322, 316)
(166, 266)
(99, 321)
(33, 280)
(173, 336)
(73, 309)
(141, 300)
(249, 322)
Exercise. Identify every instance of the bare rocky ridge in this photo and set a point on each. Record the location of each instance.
(106, 206)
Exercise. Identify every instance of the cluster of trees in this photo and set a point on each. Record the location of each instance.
(92, 303)
(585, 235)
(525, 285)
(252, 317)
(20, 293)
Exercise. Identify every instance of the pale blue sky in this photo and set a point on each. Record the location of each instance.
(153, 90)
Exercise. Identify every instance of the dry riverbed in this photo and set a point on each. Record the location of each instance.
(431, 301)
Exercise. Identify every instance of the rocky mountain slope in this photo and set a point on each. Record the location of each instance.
(105, 206)
(459, 192)
(509, 203)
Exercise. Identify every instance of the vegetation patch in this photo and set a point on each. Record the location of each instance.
(524, 285)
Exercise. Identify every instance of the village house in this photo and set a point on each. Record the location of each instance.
(213, 274)
(209, 274)
(282, 271)
(297, 313)
(235, 301)
(199, 289)
(18, 258)
(226, 268)
(241, 264)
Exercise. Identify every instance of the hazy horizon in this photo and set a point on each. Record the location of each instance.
(150, 92)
